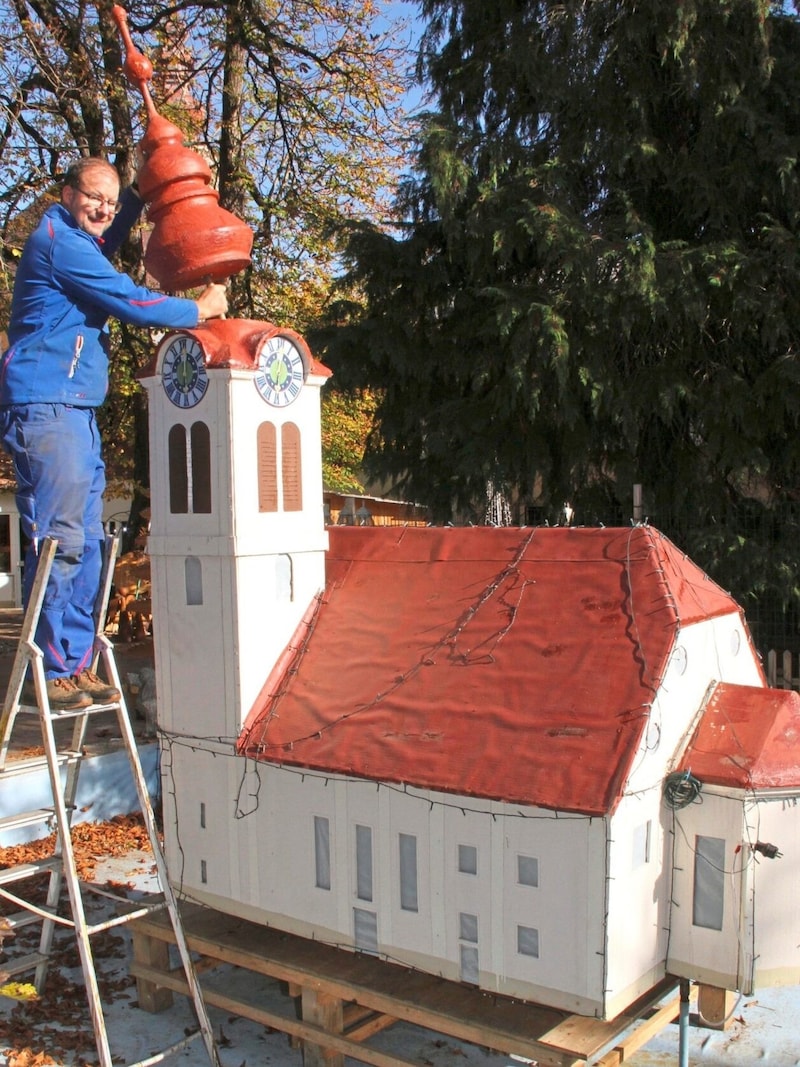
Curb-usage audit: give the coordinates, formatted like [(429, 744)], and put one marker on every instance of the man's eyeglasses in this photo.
[(101, 201)]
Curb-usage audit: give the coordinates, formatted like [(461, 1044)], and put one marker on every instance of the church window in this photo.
[(641, 844), (200, 463), (528, 941), (189, 458), (365, 929), (467, 859), (364, 862), (267, 445), (322, 851), (528, 871), (709, 882), (178, 471), (193, 577), (408, 873), (468, 947), (291, 468)]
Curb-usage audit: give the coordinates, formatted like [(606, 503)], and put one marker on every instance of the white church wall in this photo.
[(708, 941), (714, 650), (195, 591), (397, 873), (195, 686), (776, 904), (565, 906), (244, 840), (640, 846), (638, 898), (469, 871)]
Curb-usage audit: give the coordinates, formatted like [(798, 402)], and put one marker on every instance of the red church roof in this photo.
[(510, 664), (747, 738)]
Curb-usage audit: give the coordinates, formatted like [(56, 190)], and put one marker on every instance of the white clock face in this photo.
[(183, 371), (280, 373)]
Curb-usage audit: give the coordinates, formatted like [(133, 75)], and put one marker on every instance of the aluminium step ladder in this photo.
[(63, 766)]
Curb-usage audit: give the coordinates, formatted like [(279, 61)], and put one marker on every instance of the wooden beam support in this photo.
[(340, 999), (642, 1033), (327, 1013), (152, 953), (715, 1006)]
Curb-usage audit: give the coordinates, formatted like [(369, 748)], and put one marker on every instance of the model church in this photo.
[(540, 761)]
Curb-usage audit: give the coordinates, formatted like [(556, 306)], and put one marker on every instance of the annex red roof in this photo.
[(504, 663), (747, 738)]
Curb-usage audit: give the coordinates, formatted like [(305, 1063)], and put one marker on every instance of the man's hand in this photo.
[(212, 302)]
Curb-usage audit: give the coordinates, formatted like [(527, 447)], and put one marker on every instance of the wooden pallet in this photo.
[(339, 999)]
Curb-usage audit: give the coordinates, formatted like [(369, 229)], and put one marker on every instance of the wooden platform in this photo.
[(338, 999)]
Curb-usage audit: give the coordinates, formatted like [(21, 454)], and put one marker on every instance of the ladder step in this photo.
[(20, 919), (27, 870), (127, 916), (25, 818), (23, 963), (92, 709), (69, 713), (32, 764)]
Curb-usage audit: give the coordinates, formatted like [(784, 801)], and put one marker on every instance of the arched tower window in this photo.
[(200, 462), (267, 445), (291, 468), (178, 471), (189, 456)]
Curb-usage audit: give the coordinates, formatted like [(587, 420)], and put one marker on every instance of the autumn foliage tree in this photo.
[(295, 104)]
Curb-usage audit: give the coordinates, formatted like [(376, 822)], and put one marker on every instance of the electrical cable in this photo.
[(681, 789)]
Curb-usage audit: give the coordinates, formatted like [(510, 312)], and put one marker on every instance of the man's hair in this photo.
[(76, 170)]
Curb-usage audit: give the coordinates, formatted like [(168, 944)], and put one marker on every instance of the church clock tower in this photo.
[(237, 541)]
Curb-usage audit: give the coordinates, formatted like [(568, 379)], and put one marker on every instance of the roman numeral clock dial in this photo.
[(280, 371), (183, 371)]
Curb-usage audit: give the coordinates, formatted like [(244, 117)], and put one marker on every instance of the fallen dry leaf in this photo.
[(59, 1021), (90, 841)]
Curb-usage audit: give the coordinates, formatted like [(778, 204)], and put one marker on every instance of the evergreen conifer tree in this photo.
[(596, 282)]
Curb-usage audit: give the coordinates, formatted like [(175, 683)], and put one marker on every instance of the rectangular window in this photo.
[(528, 870), (528, 941), (467, 859), (408, 873), (469, 964), (365, 929), (364, 862), (468, 932), (193, 580), (641, 844), (709, 882), (468, 927), (322, 852)]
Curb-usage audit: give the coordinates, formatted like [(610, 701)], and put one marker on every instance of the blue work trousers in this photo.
[(60, 483)]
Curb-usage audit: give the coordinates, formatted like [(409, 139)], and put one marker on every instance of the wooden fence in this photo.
[(783, 670)]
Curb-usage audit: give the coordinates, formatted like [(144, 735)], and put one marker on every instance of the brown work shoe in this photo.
[(62, 693), (88, 682)]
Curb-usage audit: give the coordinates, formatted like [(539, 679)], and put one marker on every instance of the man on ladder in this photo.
[(52, 377)]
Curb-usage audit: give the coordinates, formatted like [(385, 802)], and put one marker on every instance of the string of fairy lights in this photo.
[(679, 791)]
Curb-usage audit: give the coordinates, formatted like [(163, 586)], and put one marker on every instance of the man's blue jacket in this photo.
[(64, 292)]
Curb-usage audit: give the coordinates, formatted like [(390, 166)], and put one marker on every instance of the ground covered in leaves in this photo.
[(57, 1027)]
